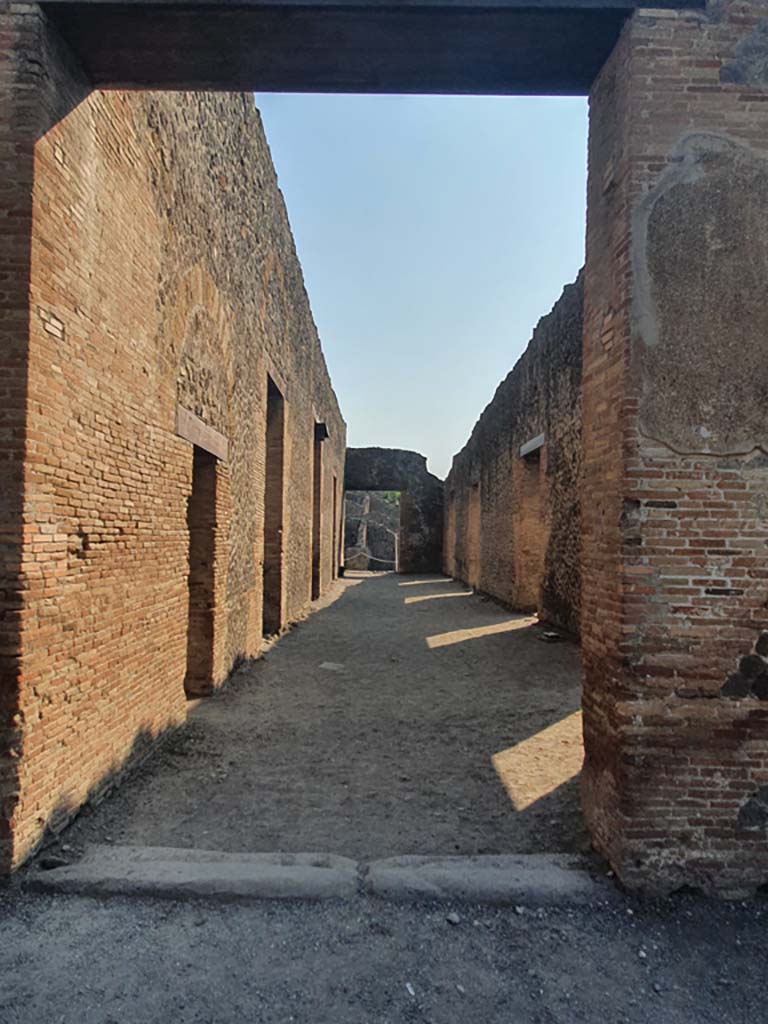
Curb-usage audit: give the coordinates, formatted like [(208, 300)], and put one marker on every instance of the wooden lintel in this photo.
[(197, 432)]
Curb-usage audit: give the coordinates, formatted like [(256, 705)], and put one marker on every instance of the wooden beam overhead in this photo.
[(501, 47)]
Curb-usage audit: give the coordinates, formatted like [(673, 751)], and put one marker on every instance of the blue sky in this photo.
[(433, 233)]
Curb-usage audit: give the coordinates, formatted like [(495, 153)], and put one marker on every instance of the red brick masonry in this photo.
[(147, 265)]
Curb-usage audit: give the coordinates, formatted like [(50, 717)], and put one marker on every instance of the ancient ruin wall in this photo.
[(371, 530), (512, 521), (674, 451), (421, 500), (163, 273)]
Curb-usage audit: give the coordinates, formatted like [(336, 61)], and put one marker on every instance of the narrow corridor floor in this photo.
[(407, 716)]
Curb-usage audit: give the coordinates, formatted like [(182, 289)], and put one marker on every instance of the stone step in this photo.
[(179, 873), (506, 878), (166, 872)]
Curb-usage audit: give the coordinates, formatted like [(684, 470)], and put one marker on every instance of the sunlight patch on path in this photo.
[(539, 765), (438, 597), (458, 636), (425, 583)]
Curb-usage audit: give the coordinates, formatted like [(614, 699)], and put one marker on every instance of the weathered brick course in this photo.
[(154, 268), (675, 436)]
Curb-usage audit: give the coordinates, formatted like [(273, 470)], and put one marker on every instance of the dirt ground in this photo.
[(407, 715), (381, 725), (71, 960)]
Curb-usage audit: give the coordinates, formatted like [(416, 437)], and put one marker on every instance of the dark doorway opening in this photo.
[(317, 508), (272, 616), (472, 542), (532, 533), (334, 528), (201, 523), (450, 534)]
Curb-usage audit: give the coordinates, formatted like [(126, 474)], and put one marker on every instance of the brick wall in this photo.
[(512, 522), (147, 262), (161, 271), (31, 99), (18, 125), (676, 451)]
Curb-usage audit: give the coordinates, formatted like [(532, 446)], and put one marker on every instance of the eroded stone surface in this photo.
[(753, 814), (700, 314)]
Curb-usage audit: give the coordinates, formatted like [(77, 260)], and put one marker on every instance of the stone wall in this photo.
[(421, 501), (162, 273), (675, 451), (512, 520)]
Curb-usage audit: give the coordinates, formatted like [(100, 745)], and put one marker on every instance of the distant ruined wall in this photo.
[(421, 500), (161, 273), (371, 529), (512, 521)]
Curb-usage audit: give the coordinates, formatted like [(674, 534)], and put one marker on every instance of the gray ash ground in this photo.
[(685, 960), (354, 736)]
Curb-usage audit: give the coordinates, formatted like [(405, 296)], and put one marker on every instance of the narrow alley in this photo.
[(406, 715), (469, 294)]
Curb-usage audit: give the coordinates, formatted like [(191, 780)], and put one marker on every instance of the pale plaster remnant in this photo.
[(699, 314)]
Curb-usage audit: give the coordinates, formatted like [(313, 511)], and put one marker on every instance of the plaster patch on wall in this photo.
[(699, 316), (753, 814), (751, 677), (749, 65), (196, 333)]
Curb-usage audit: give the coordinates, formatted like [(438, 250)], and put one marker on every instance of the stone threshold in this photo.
[(173, 873)]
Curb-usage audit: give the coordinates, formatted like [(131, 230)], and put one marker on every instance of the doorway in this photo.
[(317, 507), (532, 533), (201, 524), (335, 530), (473, 537), (272, 615)]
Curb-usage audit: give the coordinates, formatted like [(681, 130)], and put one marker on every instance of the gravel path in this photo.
[(69, 960), (407, 715), (379, 726)]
